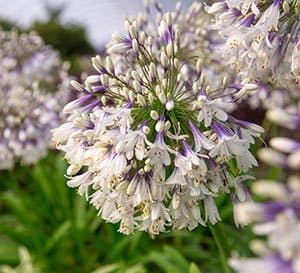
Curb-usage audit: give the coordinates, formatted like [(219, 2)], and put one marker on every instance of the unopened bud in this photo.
[(164, 60), (135, 45), (141, 100), (167, 125), (127, 25), (93, 79), (195, 87), (294, 160), (157, 90), (103, 100), (199, 65), (294, 183), (169, 19), (271, 157), (169, 49), (136, 85), (77, 85), (284, 144), (269, 189), (104, 79), (176, 63), (146, 130), (286, 6), (132, 30), (159, 126), (164, 84), (109, 64), (96, 62), (131, 95), (152, 69), (170, 105), (151, 98), (154, 115), (162, 98), (142, 37)]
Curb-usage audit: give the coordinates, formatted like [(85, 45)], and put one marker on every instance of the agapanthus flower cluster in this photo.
[(33, 87), (260, 35), (279, 220), (150, 142)]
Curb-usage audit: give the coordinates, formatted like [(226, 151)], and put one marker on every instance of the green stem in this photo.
[(221, 250)]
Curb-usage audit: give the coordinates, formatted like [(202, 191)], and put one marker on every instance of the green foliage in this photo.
[(7, 25), (40, 213), (63, 233), (25, 265), (68, 39), (194, 268)]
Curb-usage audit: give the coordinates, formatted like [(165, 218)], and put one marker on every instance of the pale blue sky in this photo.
[(100, 17)]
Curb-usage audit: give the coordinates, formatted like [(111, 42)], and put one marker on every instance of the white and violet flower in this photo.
[(279, 220), (33, 88), (259, 36), (150, 139)]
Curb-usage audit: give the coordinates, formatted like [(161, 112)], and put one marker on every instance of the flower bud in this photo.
[(154, 115), (170, 105)]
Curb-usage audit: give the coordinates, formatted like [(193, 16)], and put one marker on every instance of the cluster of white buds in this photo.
[(33, 87), (150, 141), (260, 36), (277, 219)]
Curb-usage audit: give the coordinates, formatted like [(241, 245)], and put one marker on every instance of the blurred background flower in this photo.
[(33, 86)]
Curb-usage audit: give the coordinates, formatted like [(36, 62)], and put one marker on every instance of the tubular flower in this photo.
[(259, 36), (29, 108), (279, 220), (149, 141)]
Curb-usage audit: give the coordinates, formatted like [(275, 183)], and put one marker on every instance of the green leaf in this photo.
[(107, 268), (177, 258), (136, 269), (58, 234), (194, 268)]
